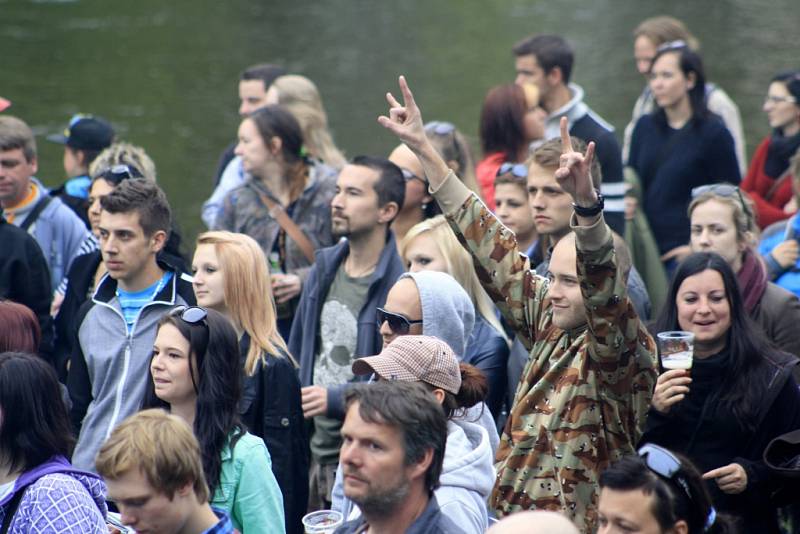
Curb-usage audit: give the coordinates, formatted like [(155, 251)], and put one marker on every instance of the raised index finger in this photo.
[(408, 98), (566, 142)]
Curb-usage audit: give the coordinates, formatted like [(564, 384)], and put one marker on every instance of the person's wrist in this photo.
[(587, 200)]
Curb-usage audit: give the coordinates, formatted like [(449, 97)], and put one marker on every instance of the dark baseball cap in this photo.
[(85, 132)]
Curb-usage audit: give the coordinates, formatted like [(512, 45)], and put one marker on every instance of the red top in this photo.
[(486, 171), (757, 185)]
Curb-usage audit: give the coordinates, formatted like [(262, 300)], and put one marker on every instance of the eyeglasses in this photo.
[(727, 191), (665, 464), (517, 169), (680, 44), (399, 324), (440, 127), (780, 99), (120, 173), (408, 176)]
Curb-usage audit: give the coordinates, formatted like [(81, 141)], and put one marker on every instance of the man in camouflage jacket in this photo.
[(585, 391)]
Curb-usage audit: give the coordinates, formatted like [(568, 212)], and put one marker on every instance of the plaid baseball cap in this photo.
[(415, 358), (85, 132)]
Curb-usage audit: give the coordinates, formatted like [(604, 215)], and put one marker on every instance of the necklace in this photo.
[(348, 268)]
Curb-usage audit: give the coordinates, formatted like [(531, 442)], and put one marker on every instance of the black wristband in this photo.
[(591, 211)]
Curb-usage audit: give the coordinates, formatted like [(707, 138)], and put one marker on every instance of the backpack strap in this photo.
[(11, 509), (34, 214)]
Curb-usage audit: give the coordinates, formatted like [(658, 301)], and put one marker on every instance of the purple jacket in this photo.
[(59, 500)]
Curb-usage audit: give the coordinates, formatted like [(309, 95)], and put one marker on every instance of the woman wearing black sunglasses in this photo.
[(657, 492), (195, 374)]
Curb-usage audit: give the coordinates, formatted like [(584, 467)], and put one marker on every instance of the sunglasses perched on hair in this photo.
[(517, 169), (665, 464), (724, 190), (120, 173), (408, 176), (440, 127), (680, 44), (399, 324), (193, 316)]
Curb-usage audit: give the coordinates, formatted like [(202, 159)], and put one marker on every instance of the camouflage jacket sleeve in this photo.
[(617, 341), (613, 326), (501, 267)]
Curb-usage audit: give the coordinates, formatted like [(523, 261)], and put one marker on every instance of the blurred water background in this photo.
[(165, 72)]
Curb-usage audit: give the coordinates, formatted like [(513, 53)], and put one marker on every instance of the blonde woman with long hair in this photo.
[(432, 246), (301, 97), (231, 276)]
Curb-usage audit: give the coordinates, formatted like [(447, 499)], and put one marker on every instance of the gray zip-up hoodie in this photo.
[(108, 370)]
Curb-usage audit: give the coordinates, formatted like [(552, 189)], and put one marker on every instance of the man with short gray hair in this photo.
[(26, 202)]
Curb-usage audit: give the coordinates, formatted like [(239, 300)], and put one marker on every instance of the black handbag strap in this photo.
[(34, 214), (11, 509)]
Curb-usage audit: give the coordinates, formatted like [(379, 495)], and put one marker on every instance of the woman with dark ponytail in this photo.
[(468, 471), (280, 180)]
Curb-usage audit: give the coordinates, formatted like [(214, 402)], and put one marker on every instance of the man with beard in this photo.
[(336, 318), (393, 447)]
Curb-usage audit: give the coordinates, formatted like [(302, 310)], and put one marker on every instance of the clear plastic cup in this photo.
[(322, 521), (676, 349)]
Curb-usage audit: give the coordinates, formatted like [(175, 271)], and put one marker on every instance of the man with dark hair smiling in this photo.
[(117, 326), (336, 318), (394, 437)]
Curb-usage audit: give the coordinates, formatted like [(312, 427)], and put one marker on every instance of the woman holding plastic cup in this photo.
[(740, 394)]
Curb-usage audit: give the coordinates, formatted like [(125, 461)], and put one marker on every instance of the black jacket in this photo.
[(272, 410), (714, 440), (25, 278)]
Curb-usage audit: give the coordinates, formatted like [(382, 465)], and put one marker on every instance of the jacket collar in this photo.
[(329, 259), (107, 288)]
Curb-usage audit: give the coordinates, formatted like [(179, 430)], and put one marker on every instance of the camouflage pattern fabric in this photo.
[(244, 212), (583, 397)]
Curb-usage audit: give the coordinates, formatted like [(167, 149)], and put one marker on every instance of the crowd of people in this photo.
[(413, 342)]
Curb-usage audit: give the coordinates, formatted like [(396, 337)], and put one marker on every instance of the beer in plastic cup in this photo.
[(676, 349), (322, 521)]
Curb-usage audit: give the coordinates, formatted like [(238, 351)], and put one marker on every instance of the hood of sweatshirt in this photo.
[(60, 465), (468, 458), (447, 310)]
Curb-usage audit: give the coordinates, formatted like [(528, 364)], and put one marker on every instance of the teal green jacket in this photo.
[(247, 488)]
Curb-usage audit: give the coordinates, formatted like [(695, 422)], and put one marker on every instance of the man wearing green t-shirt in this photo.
[(336, 319)]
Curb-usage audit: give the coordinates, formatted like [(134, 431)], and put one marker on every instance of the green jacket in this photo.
[(247, 489), (584, 394)]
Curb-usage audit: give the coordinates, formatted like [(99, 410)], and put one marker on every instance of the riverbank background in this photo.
[(165, 73)]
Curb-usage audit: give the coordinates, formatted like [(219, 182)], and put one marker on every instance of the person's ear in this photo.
[(454, 165), (34, 163), (418, 469), (275, 145), (439, 394), (185, 490), (680, 527), (387, 212), (691, 80), (158, 240), (555, 76)]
